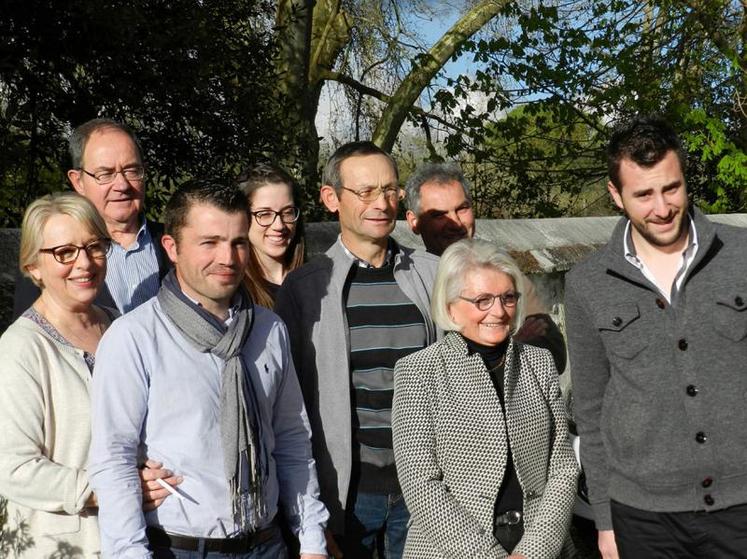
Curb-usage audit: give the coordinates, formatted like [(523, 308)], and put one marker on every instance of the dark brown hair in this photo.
[(224, 197), (645, 141), (249, 182)]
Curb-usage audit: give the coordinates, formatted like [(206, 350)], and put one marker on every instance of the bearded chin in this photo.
[(663, 240)]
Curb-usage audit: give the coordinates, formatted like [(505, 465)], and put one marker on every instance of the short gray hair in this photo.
[(331, 174), (457, 261), (80, 136), (37, 215), (440, 173)]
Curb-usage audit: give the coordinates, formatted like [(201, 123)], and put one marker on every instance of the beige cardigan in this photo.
[(44, 438)]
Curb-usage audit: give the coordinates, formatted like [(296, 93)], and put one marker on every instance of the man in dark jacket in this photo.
[(657, 335), (107, 168)]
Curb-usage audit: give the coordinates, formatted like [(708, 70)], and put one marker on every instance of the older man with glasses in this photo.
[(107, 168), (351, 315)]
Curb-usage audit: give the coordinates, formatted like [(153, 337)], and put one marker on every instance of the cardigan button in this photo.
[(691, 390), (617, 321), (738, 301), (701, 437), (660, 303), (682, 344), (707, 482), (709, 500)]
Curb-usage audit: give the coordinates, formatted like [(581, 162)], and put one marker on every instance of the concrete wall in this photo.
[(544, 248)]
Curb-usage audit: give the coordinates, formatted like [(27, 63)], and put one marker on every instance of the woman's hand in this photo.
[(153, 493)]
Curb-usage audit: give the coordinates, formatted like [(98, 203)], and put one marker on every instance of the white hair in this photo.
[(460, 259)]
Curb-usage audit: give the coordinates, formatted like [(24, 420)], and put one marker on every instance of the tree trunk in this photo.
[(311, 34), (425, 70)]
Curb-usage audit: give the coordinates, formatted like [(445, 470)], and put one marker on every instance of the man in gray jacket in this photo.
[(351, 314), (657, 334)]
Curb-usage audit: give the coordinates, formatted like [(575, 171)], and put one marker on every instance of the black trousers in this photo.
[(643, 534)]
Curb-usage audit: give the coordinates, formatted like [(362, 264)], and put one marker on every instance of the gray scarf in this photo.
[(243, 454)]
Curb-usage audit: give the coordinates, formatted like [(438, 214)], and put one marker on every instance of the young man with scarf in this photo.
[(201, 379)]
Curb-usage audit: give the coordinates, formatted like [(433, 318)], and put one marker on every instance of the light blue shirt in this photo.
[(154, 395), (132, 272)]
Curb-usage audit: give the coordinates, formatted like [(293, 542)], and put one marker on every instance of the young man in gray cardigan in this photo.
[(657, 335)]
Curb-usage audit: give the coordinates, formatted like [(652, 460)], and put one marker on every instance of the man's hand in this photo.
[(607, 544), (153, 493), (332, 548), (517, 556), (535, 326), (312, 556)]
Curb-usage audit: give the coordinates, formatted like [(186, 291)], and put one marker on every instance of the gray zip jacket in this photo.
[(660, 390), (312, 304)]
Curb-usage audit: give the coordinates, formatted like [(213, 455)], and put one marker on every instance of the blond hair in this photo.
[(37, 215)]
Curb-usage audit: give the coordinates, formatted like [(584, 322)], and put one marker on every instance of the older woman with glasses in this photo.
[(275, 231), (479, 426), (45, 378)]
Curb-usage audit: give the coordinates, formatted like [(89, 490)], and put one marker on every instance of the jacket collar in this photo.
[(344, 260), (615, 253), (455, 341)]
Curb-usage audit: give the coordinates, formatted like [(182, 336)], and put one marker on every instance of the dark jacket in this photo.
[(26, 292), (660, 390)]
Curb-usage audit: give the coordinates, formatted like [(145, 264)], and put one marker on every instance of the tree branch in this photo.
[(423, 72)]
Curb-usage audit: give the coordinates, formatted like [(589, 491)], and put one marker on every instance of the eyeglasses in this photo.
[(67, 254), (265, 218), (371, 193), (107, 177), (485, 301)]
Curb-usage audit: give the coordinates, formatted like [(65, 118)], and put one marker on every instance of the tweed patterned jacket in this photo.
[(450, 447)]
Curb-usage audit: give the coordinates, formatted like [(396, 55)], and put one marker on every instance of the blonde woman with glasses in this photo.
[(45, 377)]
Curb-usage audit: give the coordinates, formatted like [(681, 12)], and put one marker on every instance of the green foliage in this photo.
[(199, 82), (558, 77), (536, 164), (194, 79)]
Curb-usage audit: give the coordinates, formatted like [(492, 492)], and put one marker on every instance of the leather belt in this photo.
[(509, 518), (241, 544)]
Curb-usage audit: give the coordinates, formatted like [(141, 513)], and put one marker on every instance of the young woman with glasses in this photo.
[(275, 231)]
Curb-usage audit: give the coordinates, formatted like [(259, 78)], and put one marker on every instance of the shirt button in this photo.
[(682, 344), (700, 436), (617, 321), (738, 301), (707, 482), (660, 303), (708, 500), (692, 390)]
